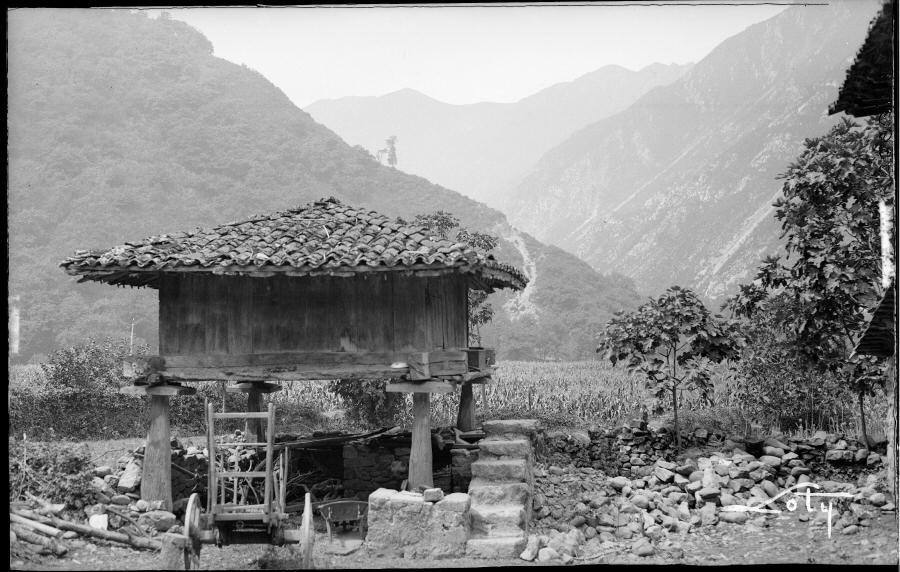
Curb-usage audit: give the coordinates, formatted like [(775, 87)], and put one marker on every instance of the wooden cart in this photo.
[(237, 522)]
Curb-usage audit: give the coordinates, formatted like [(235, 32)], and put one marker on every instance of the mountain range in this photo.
[(674, 186), (479, 149), (122, 127)]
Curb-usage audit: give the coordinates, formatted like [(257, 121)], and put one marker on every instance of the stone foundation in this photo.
[(404, 523)]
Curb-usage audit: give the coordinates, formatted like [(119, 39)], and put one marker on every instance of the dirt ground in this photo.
[(785, 539)]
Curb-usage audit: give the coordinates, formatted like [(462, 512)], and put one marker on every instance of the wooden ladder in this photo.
[(240, 512)]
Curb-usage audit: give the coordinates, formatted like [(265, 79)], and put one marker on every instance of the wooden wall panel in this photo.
[(382, 312)]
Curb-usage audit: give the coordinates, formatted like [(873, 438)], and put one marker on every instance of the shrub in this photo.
[(56, 473)]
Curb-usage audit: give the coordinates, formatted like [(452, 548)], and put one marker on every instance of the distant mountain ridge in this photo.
[(122, 127), (677, 189), (481, 148)]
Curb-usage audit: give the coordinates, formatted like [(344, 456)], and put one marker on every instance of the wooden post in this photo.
[(465, 420), (420, 461), (891, 390), (156, 480), (254, 430)]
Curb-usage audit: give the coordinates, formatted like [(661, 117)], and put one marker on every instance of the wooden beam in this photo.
[(167, 390), (156, 478), (420, 459), (426, 365), (247, 387), (419, 387), (289, 366)]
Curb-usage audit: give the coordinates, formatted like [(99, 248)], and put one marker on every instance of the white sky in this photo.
[(459, 54)]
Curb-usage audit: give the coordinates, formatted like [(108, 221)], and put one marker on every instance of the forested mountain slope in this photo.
[(122, 126)]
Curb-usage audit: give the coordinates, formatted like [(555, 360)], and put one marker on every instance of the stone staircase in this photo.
[(501, 489)]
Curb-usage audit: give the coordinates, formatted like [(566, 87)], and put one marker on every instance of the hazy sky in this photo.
[(460, 54)]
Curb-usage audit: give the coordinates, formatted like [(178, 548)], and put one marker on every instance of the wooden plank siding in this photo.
[(211, 315)]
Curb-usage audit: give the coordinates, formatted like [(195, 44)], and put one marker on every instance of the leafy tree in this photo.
[(673, 341), (830, 274), (443, 223)]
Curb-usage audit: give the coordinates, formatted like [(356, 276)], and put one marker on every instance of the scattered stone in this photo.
[(142, 506), (771, 460), (433, 495), (643, 547), (130, 479), (531, 549), (733, 517), (852, 529), (121, 500), (878, 499), (99, 521), (640, 501), (102, 471), (708, 514), (160, 520), (547, 554), (618, 483)]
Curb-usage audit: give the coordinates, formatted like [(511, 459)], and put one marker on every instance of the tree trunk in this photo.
[(862, 418), (675, 410)]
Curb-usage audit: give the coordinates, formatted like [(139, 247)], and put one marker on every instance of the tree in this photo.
[(673, 341), (443, 223), (830, 273)]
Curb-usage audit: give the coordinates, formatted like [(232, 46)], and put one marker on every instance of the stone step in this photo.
[(484, 491), (496, 547), (498, 520), (501, 470), (520, 448), (507, 426)]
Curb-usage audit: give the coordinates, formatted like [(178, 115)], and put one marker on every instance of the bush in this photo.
[(56, 473)]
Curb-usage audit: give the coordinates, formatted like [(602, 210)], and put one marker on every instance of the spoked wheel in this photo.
[(192, 532)]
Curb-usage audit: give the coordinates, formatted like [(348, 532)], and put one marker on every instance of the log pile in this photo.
[(38, 528)]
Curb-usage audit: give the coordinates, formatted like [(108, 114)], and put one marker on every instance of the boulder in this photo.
[(733, 517), (99, 521)]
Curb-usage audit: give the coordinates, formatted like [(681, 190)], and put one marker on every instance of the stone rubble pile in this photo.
[(659, 497), (119, 491)]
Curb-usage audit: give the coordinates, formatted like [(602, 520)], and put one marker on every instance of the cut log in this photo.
[(55, 546), (36, 526), (86, 530)]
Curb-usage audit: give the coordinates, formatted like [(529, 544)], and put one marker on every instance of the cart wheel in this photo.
[(192, 532), (307, 534)]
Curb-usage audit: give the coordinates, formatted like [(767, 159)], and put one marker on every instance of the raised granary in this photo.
[(322, 291)]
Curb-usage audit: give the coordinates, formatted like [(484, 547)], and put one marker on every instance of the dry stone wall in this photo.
[(633, 451)]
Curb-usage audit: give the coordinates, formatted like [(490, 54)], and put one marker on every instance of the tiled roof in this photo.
[(321, 238)]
